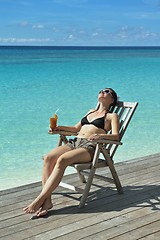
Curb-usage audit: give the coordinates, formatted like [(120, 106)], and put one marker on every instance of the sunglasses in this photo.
[(107, 91)]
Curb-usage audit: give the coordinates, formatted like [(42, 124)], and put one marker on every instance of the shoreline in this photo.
[(14, 188)]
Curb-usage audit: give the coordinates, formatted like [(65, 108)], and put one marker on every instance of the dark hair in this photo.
[(114, 95)]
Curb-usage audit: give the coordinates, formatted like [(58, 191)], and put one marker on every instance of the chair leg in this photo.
[(113, 171), (90, 177), (116, 180), (62, 139), (87, 188), (81, 176)]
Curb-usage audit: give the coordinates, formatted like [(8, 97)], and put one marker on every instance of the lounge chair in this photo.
[(105, 148)]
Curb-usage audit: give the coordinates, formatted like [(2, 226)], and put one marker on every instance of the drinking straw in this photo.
[(57, 110)]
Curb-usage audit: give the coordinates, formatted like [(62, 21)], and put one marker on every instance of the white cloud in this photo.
[(24, 24), (124, 35), (134, 34), (24, 40), (70, 36), (38, 26), (95, 34), (55, 29)]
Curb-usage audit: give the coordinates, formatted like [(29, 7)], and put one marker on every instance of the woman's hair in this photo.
[(114, 95)]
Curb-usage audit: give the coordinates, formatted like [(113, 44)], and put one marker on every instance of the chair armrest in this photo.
[(105, 141), (65, 133)]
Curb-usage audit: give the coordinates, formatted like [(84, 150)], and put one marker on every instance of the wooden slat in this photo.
[(152, 236), (133, 215)]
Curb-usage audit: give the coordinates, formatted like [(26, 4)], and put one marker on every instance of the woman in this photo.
[(93, 126)]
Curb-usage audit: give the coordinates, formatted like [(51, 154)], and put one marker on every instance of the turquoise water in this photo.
[(35, 81)]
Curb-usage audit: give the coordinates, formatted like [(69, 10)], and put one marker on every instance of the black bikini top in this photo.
[(99, 122)]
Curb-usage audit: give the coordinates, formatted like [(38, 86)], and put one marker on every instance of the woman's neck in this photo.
[(103, 108)]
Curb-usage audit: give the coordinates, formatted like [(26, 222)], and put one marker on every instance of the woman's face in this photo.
[(107, 94)]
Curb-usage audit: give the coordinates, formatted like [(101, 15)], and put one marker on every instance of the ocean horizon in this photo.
[(38, 80)]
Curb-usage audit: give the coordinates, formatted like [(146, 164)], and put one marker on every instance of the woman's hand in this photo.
[(57, 128), (94, 137), (51, 130)]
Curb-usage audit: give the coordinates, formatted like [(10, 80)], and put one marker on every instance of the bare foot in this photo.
[(47, 205), (33, 207)]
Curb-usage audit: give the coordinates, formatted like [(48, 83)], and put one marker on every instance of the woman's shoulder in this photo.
[(112, 115), (91, 110)]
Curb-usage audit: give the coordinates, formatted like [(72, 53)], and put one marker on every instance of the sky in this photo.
[(80, 22)]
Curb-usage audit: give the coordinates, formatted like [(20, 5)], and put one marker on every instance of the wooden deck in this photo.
[(108, 215)]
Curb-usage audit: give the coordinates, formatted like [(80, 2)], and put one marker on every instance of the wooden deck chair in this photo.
[(105, 148)]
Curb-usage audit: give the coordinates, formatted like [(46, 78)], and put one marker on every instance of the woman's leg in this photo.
[(66, 159), (49, 163)]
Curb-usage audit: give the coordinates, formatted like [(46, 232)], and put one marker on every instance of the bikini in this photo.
[(99, 122), (85, 143)]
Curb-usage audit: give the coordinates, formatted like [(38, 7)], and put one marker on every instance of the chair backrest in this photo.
[(125, 111)]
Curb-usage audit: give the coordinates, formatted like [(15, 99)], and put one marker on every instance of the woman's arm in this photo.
[(74, 129), (114, 127)]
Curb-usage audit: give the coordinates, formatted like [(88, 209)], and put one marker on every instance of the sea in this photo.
[(35, 82)]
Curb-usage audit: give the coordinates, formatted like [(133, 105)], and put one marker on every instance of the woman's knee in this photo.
[(61, 162), (48, 159)]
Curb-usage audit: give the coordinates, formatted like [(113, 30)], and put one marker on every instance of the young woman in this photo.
[(92, 127)]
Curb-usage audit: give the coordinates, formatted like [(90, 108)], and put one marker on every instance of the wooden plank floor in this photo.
[(108, 215)]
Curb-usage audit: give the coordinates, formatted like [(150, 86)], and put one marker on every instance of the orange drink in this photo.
[(53, 122)]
